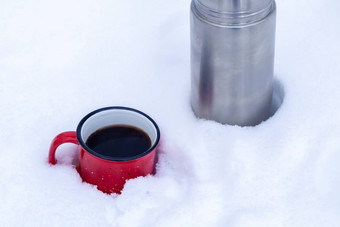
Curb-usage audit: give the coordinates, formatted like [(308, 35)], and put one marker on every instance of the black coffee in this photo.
[(119, 141)]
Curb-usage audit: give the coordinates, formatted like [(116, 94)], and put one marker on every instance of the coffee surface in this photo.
[(119, 141)]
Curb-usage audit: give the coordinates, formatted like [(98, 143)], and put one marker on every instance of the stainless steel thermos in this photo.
[(232, 60)]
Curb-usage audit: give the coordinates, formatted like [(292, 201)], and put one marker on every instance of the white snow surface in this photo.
[(59, 60)]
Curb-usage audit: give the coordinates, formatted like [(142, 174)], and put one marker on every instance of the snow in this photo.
[(59, 60)]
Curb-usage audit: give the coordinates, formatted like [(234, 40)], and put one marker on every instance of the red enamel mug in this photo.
[(110, 172)]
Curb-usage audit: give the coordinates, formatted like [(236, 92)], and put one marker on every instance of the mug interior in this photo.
[(117, 116)]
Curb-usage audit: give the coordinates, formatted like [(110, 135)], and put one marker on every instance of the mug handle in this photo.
[(64, 137)]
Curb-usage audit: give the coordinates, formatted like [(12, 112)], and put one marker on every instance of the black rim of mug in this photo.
[(82, 143)]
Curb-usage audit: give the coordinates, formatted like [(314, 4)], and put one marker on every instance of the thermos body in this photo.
[(232, 60)]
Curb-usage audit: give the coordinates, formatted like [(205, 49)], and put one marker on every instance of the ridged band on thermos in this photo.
[(230, 18)]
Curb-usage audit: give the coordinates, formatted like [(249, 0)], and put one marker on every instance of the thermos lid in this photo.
[(234, 11)]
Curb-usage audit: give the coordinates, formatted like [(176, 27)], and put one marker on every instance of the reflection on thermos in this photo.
[(232, 60)]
